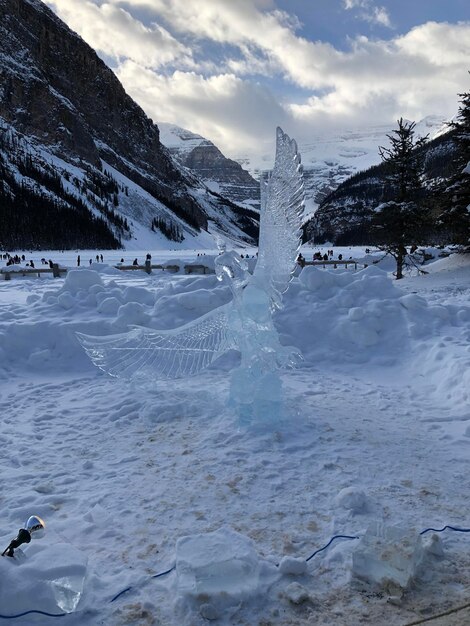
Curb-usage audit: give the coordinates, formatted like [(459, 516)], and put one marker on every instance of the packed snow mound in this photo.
[(334, 317), (353, 500), (81, 279), (357, 317), (349, 317)]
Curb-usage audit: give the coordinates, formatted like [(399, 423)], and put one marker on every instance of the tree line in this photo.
[(38, 212), (171, 230)]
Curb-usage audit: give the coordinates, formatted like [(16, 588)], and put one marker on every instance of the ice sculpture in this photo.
[(388, 556), (246, 323)]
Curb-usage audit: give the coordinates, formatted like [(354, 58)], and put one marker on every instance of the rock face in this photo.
[(57, 93), (219, 173)]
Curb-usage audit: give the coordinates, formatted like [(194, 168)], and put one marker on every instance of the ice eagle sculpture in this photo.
[(244, 324)]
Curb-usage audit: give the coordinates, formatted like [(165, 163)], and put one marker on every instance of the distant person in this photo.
[(301, 260), (50, 263), (325, 257), (148, 257), (90, 261), (78, 261), (340, 257), (135, 262), (97, 259), (122, 260), (101, 257), (31, 263)]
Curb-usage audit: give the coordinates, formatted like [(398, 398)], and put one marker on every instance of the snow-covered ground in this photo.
[(376, 428)]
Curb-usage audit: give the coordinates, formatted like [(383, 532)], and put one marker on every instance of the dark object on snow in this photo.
[(24, 536), (33, 524)]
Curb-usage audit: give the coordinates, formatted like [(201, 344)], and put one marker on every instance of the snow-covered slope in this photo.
[(329, 159), (346, 214), (112, 208)]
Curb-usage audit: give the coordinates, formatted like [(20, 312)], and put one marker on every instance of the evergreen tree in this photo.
[(402, 220), (455, 218)]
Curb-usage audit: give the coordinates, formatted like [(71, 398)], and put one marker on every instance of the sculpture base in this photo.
[(256, 396)]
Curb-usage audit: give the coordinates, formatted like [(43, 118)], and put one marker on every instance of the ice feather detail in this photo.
[(161, 354), (282, 207)]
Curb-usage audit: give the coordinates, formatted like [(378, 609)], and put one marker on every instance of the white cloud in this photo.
[(369, 12), (232, 112), (375, 81), (380, 16), (353, 4), (118, 34)]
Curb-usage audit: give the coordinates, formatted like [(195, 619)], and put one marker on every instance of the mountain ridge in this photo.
[(201, 156), (64, 101)]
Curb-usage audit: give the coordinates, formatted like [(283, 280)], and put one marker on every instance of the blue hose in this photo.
[(329, 543), (129, 588), (439, 530), (33, 611)]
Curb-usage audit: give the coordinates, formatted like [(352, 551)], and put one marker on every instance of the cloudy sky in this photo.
[(232, 70)]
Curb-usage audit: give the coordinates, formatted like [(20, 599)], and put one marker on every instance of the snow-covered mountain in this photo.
[(345, 216), (204, 159), (80, 160), (329, 159)]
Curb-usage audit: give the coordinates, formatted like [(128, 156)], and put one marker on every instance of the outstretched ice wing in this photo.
[(282, 207), (159, 354)]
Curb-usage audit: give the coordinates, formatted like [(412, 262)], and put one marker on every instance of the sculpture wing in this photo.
[(282, 208), (144, 353)]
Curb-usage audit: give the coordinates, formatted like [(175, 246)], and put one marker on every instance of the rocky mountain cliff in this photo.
[(202, 157), (61, 104)]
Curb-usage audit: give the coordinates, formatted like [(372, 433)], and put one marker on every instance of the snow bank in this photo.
[(354, 450), (346, 317), (332, 316), (342, 317), (90, 302)]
